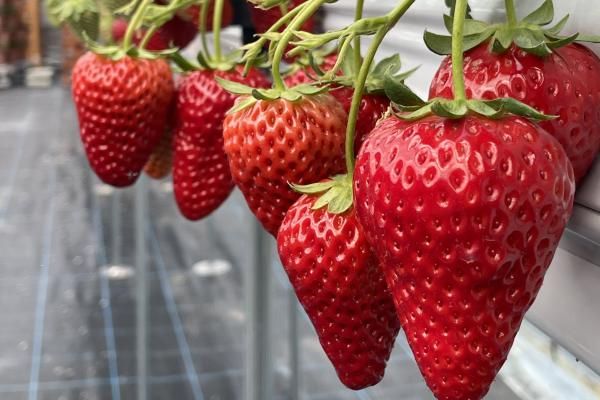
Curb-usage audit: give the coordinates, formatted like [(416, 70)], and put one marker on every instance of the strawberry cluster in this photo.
[(439, 217)]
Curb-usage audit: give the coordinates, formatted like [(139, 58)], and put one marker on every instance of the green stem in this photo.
[(135, 23), (106, 23), (511, 13), (217, 19), (358, 14), (393, 18), (311, 7), (202, 24), (458, 79)]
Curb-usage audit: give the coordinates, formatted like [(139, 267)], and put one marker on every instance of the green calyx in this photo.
[(294, 94), (411, 107), (389, 68), (335, 193), (228, 62), (530, 34), (117, 52)]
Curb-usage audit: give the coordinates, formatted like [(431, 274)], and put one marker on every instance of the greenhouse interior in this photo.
[(300, 199)]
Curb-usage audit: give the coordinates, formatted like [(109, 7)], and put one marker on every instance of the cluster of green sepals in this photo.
[(530, 34)]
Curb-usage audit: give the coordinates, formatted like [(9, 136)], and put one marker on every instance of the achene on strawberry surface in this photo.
[(565, 83), (337, 279), (465, 216), (122, 108)]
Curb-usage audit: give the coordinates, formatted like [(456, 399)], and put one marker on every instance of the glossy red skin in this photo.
[(201, 177), (465, 217), (122, 108), (274, 143), (566, 84), (339, 283)]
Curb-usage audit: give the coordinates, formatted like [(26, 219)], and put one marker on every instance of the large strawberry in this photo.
[(565, 83), (201, 177), (465, 216), (122, 107), (536, 65), (272, 143), (338, 281)]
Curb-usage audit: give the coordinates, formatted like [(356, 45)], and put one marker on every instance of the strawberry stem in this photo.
[(295, 25), (217, 20), (511, 13), (202, 25), (458, 80), (358, 14), (135, 23), (392, 19)]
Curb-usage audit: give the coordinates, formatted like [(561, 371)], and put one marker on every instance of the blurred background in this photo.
[(110, 294)]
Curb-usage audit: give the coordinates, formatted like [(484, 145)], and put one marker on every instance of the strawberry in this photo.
[(306, 74), (276, 142), (201, 177), (338, 281), (465, 216), (565, 83), (264, 19), (122, 107)]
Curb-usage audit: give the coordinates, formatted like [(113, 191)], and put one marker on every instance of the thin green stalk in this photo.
[(458, 80), (511, 12), (202, 24), (135, 23), (306, 13), (393, 18), (217, 20), (358, 14)]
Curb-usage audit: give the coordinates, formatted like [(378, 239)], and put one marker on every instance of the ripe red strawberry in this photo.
[(338, 281), (273, 143), (122, 107), (465, 216), (566, 84), (201, 177)]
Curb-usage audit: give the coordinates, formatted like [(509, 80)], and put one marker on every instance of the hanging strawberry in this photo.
[(201, 177), (121, 120), (538, 66), (464, 206)]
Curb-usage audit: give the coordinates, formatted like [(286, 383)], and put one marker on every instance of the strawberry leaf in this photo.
[(442, 44), (542, 15), (335, 193), (532, 41), (555, 30), (452, 109), (400, 94), (234, 87), (515, 107), (241, 104)]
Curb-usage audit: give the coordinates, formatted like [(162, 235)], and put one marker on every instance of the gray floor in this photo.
[(68, 326)]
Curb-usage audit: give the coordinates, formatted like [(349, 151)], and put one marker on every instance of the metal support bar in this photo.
[(258, 287), (141, 287), (294, 347)]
